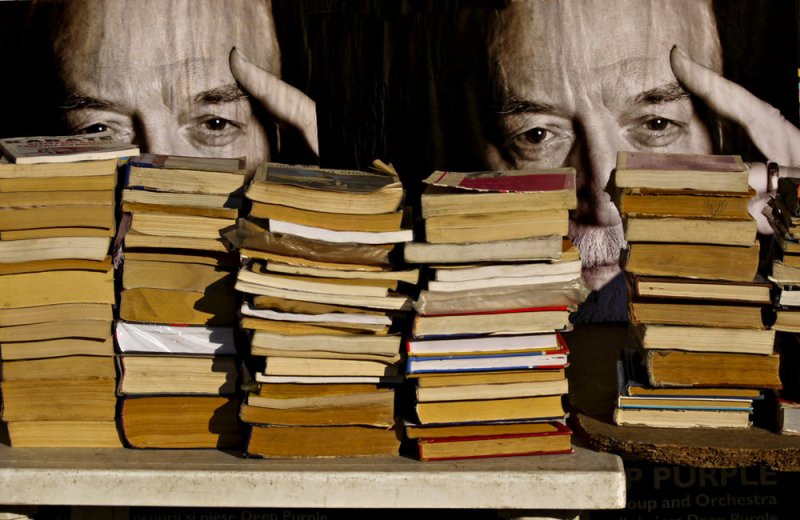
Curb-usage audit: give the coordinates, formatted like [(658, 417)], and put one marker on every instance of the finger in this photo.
[(757, 177), (774, 136), (286, 103)]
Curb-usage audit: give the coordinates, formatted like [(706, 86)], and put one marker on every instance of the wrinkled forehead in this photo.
[(567, 34), (153, 32)]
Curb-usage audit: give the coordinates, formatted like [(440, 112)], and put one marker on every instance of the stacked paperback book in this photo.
[(176, 334), (57, 220), (695, 298), (485, 353), (324, 306)]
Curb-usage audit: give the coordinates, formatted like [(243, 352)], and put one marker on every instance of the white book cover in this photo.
[(169, 339), (342, 237)]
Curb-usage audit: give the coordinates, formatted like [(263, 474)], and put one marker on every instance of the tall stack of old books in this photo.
[(486, 354), (57, 220), (325, 307), (696, 301), (176, 335), (783, 268)]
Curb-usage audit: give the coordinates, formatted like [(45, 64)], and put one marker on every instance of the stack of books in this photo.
[(696, 300), (325, 308), (485, 350), (177, 355), (57, 221)]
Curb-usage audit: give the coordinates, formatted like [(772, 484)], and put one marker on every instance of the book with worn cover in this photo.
[(724, 232), (669, 368), (709, 290), (323, 441), (146, 374), (505, 321), (557, 358), (178, 174), (61, 149), (546, 407), (473, 441), (706, 339), (702, 261), (682, 204), (680, 171)]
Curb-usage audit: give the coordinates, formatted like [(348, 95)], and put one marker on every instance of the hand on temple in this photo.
[(293, 110), (772, 134)]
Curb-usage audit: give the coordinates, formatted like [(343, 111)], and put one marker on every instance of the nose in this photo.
[(594, 157), (158, 133)]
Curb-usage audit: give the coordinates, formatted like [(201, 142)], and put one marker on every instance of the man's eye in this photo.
[(536, 135), (93, 129), (658, 124), (655, 132), (216, 124)]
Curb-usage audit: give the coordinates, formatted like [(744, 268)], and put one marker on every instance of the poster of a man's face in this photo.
[(543, 83)]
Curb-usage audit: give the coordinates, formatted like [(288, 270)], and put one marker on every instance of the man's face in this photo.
[(156, 73), (577, 81)]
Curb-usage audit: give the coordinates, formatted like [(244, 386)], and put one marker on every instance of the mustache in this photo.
[(598, 245)]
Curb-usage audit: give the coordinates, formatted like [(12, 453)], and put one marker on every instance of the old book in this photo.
[(336, 221), (77, 367), (525, 249), (491, 227), (99, 183), (292, 328), (684, 403), (254, 254), (707, 369), (753, 292), (136, 240), (303, 366), (145, 338), (58, 312), (181, 422), (287, 305), (527, 439), (487, 283), (77, 232), (324, 441), (405, 275), (690, 230), (184, 257), (297, 390), (489, 299), (164, 199), (461, 273), (65, 149), (12, 170), (186, 226), (387, 346), (34, 199), (71, 328), (171, 173), (682, 418), (446, 379), (39, 249), (177, 276), (326, 190), (505, 344), (466, 411), (672, 312), (148, 305), (710, 262), (367, 409), (787, 320), (783, 274), (90, 399), (56, 287), (492, 391), (89, 216), (452, 193), (177, 374), (347, 287), (677, 204), (706, 339), (182, 211), (58, 264), (342, 237), (508, 321), (674, 171), (362, 321), (332, 380), (56, 348), (487, 363), (64, 434)]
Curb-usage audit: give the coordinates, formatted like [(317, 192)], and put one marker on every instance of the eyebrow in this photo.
[(514, 105), (80, 102), (218, 95), (663, 94)]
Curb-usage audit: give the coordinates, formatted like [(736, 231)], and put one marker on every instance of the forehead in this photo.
[(568, 35), (120, 34)]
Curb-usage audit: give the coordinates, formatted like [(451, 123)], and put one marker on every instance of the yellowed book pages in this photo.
[(310, 441), (177, 276), (165, 306), (137, 208), (54, 287), (709, 262), (64, 434), (690, 231), (92, 329), (59, 264), (54, 348), (89, 183), (187, 226), (76, 367), (335, 221), (48, 171), (58, 217), (32, 199), (291, 260), (162, 374), (139, 240), (480, 378), (489, 227), (74, 232), (671, 204), (59, 312), (186, 180), (90, 399), (491, 410)]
